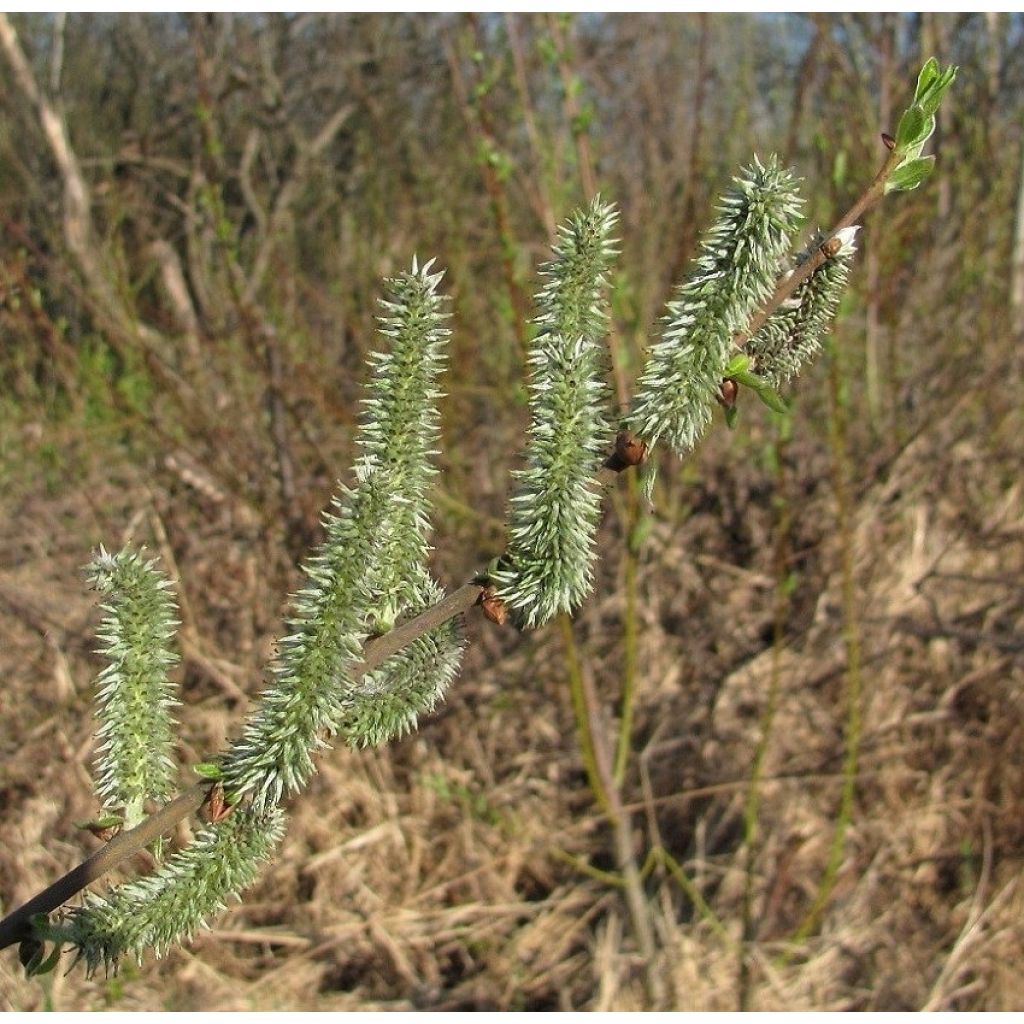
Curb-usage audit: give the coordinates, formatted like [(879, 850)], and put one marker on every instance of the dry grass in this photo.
[(438, 873)]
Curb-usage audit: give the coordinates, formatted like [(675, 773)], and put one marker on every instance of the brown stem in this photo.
[(573, 112), (805, 78), (92, 258), (16, 926), (542, 197), (871, 195), (688, 206), (588, 182), (598, 763)]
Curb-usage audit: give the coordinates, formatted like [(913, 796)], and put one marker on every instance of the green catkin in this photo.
[(555, 509), (369, 570), (734, 275), (792, 335), (410, 683), (135, 736), (168, 907)]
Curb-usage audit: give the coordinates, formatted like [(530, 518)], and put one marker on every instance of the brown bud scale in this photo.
[(493, 607), (629, 451), (728, 391), (216, 808), (831, 247)]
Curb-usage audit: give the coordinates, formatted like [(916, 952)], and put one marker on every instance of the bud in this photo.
[(727, 392), (215, 807), (493, 607), (629, 451)]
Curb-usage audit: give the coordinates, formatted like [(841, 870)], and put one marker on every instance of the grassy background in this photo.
[(820, 621)]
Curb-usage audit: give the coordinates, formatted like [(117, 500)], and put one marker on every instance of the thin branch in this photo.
[(541, 194), (869, 198), (309, 152), (17, 925), (478, 123), (79, 229), (57, 59)]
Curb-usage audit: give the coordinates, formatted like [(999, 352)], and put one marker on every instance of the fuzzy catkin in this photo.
[(135, 734), (168, 907), (555, 508), (792, 334), (735, 274), (410, 683), (369, 570)]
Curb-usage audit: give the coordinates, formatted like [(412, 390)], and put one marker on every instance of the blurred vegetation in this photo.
[(181, 357)]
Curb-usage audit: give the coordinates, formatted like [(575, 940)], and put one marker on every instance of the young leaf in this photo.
[(908, 176), (748, 379), (39, 966), (772, 399), (929, 97), (738, 363), (928, 74), (912, 127)]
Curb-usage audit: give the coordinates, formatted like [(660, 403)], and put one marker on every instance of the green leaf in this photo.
[(839, 169), (47, 965), (105, 821), (928, 74), (736, 365), (933, 96), (582, 121), (208, 770), (772, 399), (909, 175), (911, 127), (751, 380), (547, 49), (732, 413), (502, 164)]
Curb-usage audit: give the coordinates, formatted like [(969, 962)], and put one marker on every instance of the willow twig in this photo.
[(17, 925)]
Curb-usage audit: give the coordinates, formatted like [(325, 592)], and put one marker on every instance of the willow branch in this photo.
[(17, 925), (869, 198)]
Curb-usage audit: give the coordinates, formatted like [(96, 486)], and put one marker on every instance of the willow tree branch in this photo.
[(17, 925), (869, 198)]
